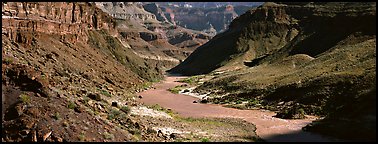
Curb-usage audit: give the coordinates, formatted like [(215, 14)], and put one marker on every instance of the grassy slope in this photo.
[(327, 69)]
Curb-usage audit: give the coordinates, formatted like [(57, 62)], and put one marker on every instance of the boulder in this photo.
[(94, 96)]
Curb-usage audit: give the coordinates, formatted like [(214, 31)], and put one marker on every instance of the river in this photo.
[(269, 128)]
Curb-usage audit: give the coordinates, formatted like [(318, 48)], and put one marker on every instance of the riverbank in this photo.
[(268, 127)]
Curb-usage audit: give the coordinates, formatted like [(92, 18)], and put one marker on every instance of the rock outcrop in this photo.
[(152, 36), (126, 10), (272, 27), (155, 9), (69, 20)]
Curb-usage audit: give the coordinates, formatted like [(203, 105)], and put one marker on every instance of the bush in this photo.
[(106, 93), (56, 116), (108, 136), (176, 89), (190, 80), (24, 98), (71, 105), (81, 136), (291, 113), (113, 114), (205, 140), (125, 109), (85, 101), (8, 60)]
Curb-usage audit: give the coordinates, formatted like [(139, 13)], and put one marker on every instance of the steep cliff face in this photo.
[(155, 9), (70, 20), (61, 61), (126, 10), (200, 18), (254, 34), (263, 31), (152, 38), (211, 20)]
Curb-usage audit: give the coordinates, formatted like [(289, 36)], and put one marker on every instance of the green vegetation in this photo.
[(112, 46), (292, 113), (86, 100), (205, 140), (24, 98), (81, 136), (147, 85), (253, 103), (176, 89), (159, 108), (125, 109), (8, 60), (71, 105), (106, 93), (108, 136), (207, 121), (113, 114), (191, 80), (56, 116)]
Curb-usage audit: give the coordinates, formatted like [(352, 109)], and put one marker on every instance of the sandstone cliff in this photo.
[(152, 38)]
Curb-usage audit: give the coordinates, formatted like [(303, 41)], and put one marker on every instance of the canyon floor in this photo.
[(268, 127)]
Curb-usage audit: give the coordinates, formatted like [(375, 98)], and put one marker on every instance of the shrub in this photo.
[(113, 114), (175, 90), (205, 140), (24, 98), (125, 109), (56, 116), (106, 93), (108, 136), (8, 60), (71, 105), (190, 80), (85, 100), (81, 136)]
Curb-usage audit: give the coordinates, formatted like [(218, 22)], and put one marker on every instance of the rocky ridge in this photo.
[(154, 37)]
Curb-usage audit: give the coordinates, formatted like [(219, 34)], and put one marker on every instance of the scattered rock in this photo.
[(204, 101), (184, 85), (65, 124), (95, 96), (195, 102), (78, 109), (34, 136), (59, 139), (175, 135), (140, 96), (83, 91), (186, 90), (25, 132), (160, 134), (46, 135), (115, 104)]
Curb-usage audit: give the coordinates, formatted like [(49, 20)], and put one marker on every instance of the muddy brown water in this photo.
[(268, 127)]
